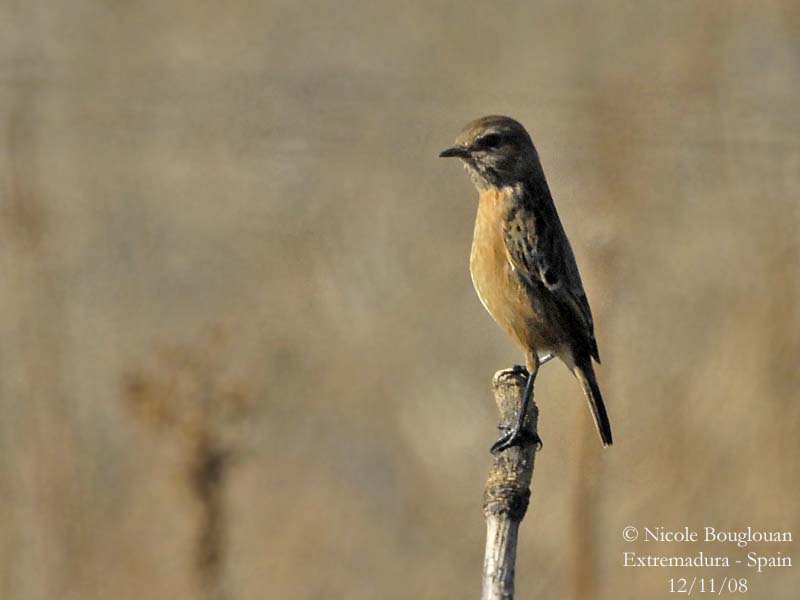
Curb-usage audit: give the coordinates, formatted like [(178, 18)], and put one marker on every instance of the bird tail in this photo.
[(585, 374)]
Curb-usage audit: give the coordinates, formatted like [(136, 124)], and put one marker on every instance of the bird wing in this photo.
[(539, 251)]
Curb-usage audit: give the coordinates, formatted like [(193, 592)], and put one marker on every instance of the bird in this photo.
[(522, 265)]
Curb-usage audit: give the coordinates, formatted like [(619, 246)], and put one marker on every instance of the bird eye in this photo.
[(489, 141)]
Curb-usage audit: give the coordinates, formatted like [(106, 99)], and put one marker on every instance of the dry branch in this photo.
[(507, 492)]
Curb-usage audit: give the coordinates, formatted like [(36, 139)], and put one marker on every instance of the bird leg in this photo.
[(515, 434)]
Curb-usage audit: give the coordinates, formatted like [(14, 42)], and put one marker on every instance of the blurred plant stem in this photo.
[(187, 395)]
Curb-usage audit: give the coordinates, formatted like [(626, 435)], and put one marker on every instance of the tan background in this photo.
[(242, 200)]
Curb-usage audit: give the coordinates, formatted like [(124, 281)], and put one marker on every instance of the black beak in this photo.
[(455, 151)]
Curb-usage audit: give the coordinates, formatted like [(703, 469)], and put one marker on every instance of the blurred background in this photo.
[(240, 353)]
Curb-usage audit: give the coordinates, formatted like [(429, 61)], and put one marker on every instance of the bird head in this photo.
[(496, 151)]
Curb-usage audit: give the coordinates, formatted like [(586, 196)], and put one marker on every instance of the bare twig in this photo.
[(507, 492)]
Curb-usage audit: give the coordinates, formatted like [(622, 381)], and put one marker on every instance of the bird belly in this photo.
[(508, 299)]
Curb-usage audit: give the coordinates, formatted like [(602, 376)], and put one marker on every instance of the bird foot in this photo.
[(514, 436), (514, 371)]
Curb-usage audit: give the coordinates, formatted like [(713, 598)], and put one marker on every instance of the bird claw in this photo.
[(514, 371), (514, 436)]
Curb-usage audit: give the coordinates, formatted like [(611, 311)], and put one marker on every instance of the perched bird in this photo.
[(522, 265)]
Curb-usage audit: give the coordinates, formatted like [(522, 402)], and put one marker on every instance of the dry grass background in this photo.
[(205, 202)]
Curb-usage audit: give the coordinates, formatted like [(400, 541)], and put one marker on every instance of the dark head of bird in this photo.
[(497, 152)]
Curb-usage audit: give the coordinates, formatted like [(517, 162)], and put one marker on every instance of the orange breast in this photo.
[(500, 289)]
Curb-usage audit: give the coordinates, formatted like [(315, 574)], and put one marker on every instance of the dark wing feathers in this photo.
[(539, 251)]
